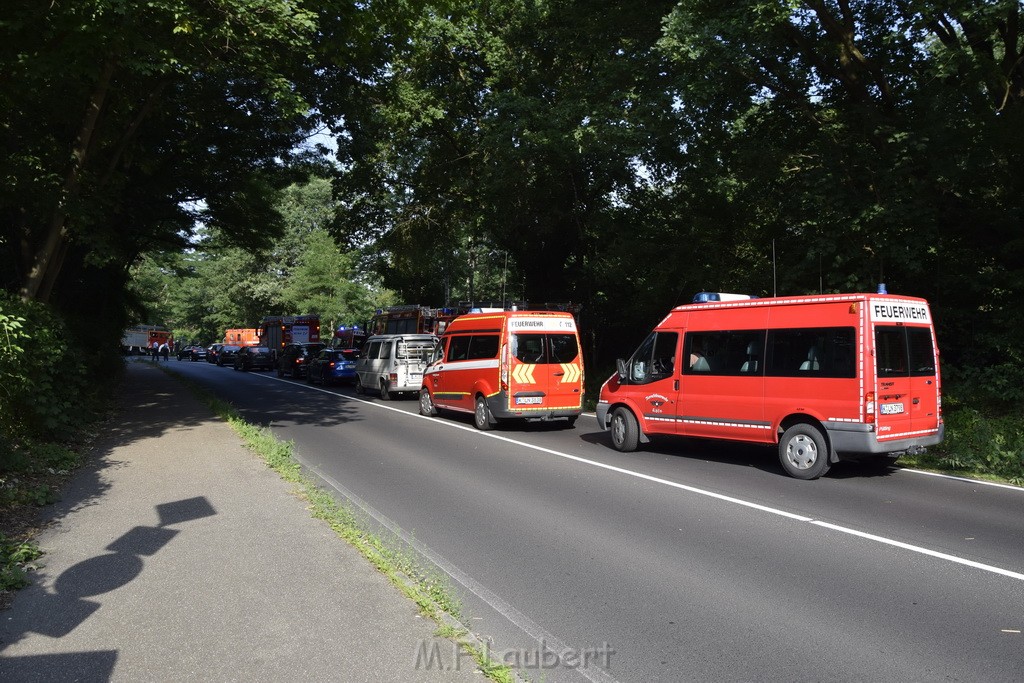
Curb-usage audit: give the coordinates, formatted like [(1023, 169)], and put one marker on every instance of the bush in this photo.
[(982, 438), (43, 377)]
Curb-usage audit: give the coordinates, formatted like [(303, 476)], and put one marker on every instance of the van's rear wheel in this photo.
[(803, 452), (625, 430), (360, 389), (426, 403), (385, 393), (482, 418)]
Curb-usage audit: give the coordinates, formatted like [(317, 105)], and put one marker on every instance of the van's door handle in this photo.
[(675, 385), (916, 401)]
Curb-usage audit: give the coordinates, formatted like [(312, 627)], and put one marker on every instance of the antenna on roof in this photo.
[(775, 284)]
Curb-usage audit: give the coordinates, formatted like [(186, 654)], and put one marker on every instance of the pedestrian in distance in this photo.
[(165, 351), (154, 347)]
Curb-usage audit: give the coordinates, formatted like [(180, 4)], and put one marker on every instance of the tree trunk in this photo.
[(46, 258)]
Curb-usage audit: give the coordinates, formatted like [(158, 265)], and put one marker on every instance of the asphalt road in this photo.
[(684, 561)]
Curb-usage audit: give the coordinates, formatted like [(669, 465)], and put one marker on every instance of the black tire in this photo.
[(385, 392), (280, 371), (427, 407), (803, 452), (625, 430), (360, 389), (482, 417), (309, 377)]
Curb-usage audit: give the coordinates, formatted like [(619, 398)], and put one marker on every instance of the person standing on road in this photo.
[(154, 347), (165, 351)]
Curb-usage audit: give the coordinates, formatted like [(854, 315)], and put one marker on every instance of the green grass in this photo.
[(429, 589)]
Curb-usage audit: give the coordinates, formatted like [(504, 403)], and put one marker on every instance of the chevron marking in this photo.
[(523, 374), (571, 372)]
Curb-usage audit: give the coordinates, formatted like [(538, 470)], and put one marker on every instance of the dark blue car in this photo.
[(333, 366)]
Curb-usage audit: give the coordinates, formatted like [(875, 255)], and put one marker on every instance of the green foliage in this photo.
[(16, 559), (981, 442), (44, 381)]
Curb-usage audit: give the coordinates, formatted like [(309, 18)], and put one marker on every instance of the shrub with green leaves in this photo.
[(44, 378)]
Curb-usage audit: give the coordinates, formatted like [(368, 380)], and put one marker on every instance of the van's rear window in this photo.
[(539, 348)]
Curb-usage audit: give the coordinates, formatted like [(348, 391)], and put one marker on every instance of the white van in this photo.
[(393, 363)]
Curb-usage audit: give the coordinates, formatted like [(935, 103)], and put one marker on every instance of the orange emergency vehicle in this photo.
[(242, 337), (824, 377), (507, 364)]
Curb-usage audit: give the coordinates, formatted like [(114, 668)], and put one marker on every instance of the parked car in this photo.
[(197, 353), (393, 363), (294, 357), (254, 358), (226, 355), (332, 366), (213, 352), (184, 352)]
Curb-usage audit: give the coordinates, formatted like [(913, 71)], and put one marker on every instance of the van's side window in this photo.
[(385, 349), (373, 350), (483, 346), (812, 352), (654, 360), (458, 348), (734, 352)]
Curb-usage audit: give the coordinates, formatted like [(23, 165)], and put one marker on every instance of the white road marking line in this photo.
[(703, 492), (996, 484)]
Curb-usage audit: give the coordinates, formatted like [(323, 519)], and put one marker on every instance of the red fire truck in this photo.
[(277, 330), (411, 319), (822, 377)]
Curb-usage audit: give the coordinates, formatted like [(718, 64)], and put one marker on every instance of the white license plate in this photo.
[(528, 400), (891, 408)]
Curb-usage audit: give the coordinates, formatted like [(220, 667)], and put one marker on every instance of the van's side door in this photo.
[(653, 374)]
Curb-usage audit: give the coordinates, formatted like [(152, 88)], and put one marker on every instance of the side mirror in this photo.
[(621, 369)]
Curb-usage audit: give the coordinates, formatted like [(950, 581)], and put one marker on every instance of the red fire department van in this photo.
[(824, 377), (507, 364)]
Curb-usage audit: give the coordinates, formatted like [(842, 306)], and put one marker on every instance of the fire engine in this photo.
[(139, 339), (277, 330), (411, 319), (823, 378), (348, 337)]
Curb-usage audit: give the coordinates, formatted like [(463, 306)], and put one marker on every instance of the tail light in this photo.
[(869, 408), (503, 375), (393, 377)]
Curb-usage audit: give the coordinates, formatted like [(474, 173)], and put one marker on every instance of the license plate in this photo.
[(891, 408), (528, 400)]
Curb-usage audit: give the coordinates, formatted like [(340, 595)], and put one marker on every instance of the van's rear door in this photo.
[(545, 366), (908, 383), (894, 388)]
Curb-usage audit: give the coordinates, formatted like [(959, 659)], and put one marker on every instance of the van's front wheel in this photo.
[(427, 408), (802, 452), (625, 430)]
